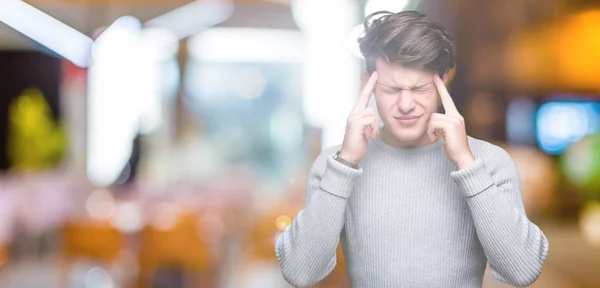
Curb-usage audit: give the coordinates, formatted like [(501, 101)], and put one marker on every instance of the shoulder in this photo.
[(495, 157), (487, 150)]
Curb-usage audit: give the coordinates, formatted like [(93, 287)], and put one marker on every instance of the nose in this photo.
[(406, 102)]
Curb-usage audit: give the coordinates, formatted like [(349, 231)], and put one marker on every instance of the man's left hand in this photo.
[(450, 126)]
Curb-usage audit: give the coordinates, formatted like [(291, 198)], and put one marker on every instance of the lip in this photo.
[(408, 120)]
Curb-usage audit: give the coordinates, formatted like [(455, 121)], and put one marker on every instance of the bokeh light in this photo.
[(385, 5), (165, 216), (589, 224), (561, 123), (100, 204), (97, 277), (539, 177), (282, 222), (128, 217), (357, 32), (581, 164)]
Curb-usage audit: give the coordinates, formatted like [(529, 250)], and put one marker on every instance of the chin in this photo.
[(408, 135)]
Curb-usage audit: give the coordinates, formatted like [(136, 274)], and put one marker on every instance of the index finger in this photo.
[(365, 95), (447, 101)]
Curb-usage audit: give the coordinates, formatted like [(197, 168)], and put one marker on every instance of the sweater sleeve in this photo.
[(515, 247), (306, 250)]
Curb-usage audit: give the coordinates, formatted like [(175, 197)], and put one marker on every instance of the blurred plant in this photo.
[(36, 141), (581, 165)]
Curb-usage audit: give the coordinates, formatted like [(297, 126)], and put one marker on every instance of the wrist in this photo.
[(464, 161), (347, 157), (346, 161)]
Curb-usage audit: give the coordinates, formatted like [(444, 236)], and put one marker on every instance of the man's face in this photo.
[(406, 98)]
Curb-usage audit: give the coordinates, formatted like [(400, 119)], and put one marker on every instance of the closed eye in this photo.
[(387, 90), (421, 90)]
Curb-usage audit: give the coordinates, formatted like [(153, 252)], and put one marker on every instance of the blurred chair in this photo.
[(258, 265), (3, 254), (265, 232), (179, 247), (97, 241), (262, 239)]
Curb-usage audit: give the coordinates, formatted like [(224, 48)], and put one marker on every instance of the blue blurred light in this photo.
[(562, 123)]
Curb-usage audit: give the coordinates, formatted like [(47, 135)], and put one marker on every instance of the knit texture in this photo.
[(408, 218)]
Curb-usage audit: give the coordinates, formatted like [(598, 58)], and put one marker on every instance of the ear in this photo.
[(448, 76)]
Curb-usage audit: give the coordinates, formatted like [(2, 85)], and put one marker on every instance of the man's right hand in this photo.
[(361, 125)]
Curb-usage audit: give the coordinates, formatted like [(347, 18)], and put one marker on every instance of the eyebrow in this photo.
[(421, 86), (413, 87)]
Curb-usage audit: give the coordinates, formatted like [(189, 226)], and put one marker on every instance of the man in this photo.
[(416, 202)]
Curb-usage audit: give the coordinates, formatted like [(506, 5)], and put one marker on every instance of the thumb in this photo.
[(431, 132)]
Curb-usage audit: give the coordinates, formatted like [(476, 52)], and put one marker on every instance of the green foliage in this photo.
[(36, 141)]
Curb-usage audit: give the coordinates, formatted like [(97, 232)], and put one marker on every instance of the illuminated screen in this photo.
[(562, 123)]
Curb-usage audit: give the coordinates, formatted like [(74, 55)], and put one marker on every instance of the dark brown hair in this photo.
[(408, 38)]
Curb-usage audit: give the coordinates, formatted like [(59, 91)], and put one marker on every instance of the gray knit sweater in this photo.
[(408, 218)]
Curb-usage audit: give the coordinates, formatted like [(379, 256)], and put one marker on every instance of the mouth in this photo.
[(407, 120)]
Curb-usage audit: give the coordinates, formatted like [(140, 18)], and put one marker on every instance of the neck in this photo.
[(388, 138)]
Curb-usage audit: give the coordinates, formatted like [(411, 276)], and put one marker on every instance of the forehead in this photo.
[(401, 76)]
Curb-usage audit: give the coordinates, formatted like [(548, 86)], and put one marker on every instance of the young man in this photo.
[(416, 202)]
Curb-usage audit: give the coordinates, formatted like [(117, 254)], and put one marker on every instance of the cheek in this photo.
[(429, 102)]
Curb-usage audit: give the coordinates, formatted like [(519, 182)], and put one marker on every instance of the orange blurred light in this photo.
[(577, 47), (564, 55), (282, 222)]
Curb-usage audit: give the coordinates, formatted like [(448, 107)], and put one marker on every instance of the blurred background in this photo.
[(154, 143)]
